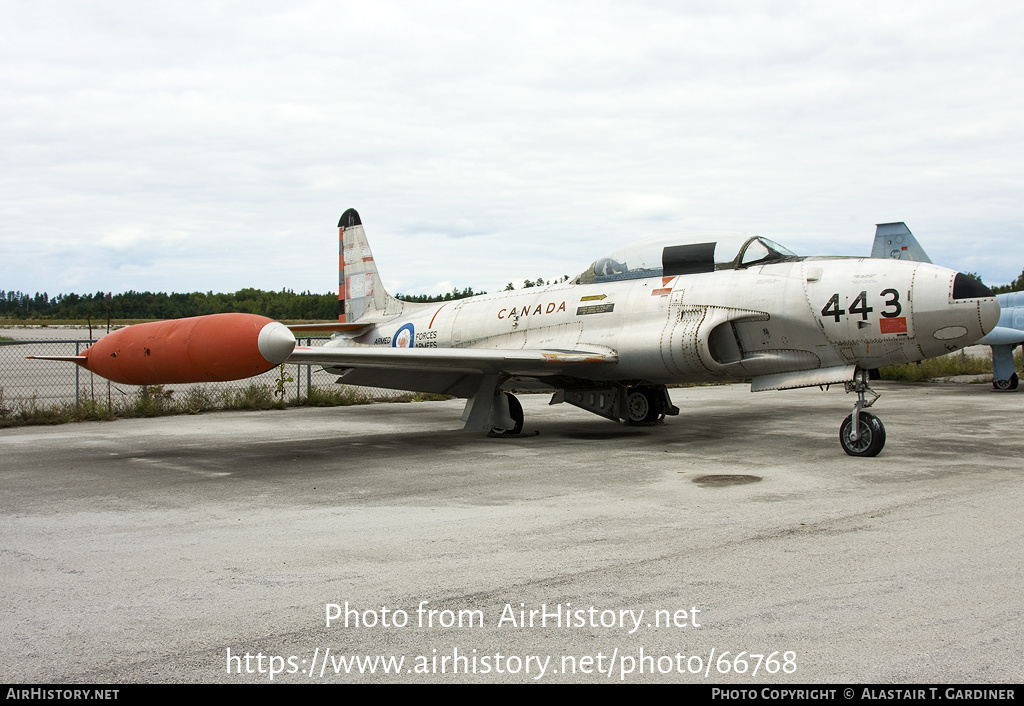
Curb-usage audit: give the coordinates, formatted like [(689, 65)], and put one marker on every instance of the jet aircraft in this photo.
[(894, 240), (709, 307)]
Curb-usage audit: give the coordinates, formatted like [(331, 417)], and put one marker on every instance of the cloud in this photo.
[(217, 145)]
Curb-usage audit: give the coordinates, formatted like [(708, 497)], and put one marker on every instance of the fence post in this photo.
[(77, 372)]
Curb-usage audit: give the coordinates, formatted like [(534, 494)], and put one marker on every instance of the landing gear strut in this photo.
[(862, 433), (515, 411)]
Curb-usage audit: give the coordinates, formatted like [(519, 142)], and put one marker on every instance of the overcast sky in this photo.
[(181, 146)]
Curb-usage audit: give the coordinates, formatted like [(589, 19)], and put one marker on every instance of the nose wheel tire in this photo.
[(1005, 385), (871, 435)]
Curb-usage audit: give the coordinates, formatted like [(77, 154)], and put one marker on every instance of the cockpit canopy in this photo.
[(667, 256)]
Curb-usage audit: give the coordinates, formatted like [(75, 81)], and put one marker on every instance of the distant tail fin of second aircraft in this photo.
[(895, 241), (361, 295)]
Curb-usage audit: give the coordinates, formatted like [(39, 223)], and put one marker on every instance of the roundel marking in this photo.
[(403, 337)]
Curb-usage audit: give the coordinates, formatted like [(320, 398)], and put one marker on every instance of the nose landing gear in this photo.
[(1005, 385), (862, 433)]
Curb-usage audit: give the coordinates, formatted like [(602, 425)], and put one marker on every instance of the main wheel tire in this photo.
[(641, 407), (515, 410), (1006, 385), (872, 435)]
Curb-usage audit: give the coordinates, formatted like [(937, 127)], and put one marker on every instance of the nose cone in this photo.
[(951, 310), (275, 343)]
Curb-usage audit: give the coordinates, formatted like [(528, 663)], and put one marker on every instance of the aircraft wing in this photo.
[(529, 363), (462, 372), (1002, 336)]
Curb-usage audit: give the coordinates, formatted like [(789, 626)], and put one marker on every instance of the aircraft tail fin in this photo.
[(361, 295), (895, 241)]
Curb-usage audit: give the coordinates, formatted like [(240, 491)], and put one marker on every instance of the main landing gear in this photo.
[(644, 405), (636, 405), (493, 410), (515, 411), (862, 433)]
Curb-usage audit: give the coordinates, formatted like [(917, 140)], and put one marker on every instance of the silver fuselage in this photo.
[(782, 317)]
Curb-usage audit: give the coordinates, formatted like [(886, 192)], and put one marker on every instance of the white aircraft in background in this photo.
[(709, 307), (894, 240)]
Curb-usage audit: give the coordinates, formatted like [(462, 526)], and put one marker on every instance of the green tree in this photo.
[(1016, 285)]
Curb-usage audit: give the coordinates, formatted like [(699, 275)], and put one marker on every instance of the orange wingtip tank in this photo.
[(210, 348)]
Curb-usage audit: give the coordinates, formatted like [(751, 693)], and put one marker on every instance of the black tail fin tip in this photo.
[(349, 218)]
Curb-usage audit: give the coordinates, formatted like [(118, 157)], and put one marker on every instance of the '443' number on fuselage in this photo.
[(860, 305)]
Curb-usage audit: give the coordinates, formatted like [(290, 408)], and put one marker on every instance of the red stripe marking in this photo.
[(435, 314)]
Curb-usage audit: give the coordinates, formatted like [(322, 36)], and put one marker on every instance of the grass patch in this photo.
[(157, 401), (151, 401), (936, 368), (419, 397), (430, 397), (197, 400), (338, 396), (30, 411), (252, 396)]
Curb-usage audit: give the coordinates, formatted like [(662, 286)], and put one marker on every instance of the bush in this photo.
[(252, 396), (337, 396), (932, 368), (150, 401)]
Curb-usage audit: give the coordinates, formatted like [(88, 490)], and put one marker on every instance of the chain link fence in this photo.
[(46, 382)]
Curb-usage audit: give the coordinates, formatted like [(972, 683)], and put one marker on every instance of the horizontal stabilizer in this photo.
[(355, 329)]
